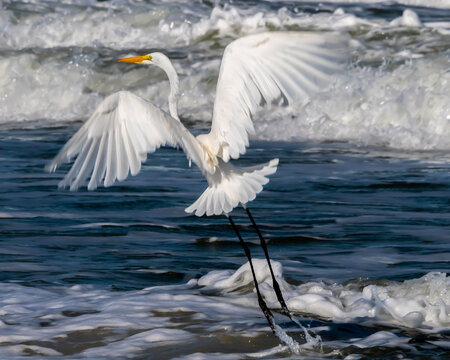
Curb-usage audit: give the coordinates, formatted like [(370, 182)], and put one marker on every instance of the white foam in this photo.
[(444, 4), (408, 18), (242, 277), (381, 338), (32, 89), (209, 356), (32, 349), (441, 343), (422, 303), (399, 106), (123, 27), (143, 341), (404, 108), (126, 323)]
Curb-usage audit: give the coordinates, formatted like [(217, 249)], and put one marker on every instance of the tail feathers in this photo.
[(230, 186)]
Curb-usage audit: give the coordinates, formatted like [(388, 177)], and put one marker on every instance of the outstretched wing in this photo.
[(265, 68), (116, 140)]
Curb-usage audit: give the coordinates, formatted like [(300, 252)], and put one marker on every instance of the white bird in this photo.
[(263, 68), (256, 69)]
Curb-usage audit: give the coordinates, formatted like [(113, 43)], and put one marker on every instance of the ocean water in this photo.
[(357, 216)]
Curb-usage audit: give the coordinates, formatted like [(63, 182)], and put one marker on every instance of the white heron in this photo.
[(283, 67)]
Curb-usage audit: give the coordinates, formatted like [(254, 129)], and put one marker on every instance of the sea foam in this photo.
[(49, 322), (397, 106), (393, 94)]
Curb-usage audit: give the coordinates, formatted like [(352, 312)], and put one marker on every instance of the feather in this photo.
[(230, 186), (116, 139), (263, 68)]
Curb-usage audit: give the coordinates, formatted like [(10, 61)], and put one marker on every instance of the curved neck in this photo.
[(174, 93), (164, 63)]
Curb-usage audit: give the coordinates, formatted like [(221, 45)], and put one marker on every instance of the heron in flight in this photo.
[(265, 68)]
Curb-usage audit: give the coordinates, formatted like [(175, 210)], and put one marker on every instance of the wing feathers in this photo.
[(111, 166), (88, 163), (131, 153), (122, 159), (100, 165), (265, 81), (117, 138), (303, 85), (266, 68), (78, 165)]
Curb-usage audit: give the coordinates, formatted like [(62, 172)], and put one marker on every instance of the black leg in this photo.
[(262, 303), (276, 286)]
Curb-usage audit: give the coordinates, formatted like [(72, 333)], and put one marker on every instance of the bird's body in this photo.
[(256, 69)]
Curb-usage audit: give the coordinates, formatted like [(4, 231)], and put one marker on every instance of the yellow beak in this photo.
[(136, 59)]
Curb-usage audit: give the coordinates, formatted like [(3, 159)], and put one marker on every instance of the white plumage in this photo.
[(116, 140), (256, 69), (229, 186), (266, 68)]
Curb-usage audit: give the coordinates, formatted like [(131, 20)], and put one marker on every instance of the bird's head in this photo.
[(161, 61), (144, 59), (150, 59)]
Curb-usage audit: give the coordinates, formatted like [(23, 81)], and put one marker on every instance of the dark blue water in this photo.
[(332, 211)]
